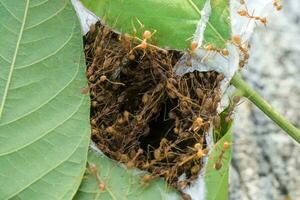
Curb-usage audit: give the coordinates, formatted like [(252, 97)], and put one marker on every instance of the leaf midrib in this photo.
[(208, 22), (14, 59)]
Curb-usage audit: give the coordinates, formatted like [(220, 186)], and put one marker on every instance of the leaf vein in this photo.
[(43, 104), (47, 172), (14, 59), (39, 4), (50, 17), (5, 59), (10, 12), (43, 134), (49, 55), (11, 31), (37, 40)]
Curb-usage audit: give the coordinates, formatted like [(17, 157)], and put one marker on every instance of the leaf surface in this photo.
[(44, 118), (120, 183), (218, 29), (175, 21)]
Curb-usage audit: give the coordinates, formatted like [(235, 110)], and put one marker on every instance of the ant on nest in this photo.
[(207, 47), (147, 35), (92, 168), (263, 20), (277, 5), (218, 164), (245, 13), (210, 47), (235, 40)]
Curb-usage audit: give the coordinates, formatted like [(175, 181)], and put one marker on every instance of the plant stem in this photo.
[(249, 93)]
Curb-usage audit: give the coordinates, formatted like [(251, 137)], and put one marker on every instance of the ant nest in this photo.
[(142, 113)]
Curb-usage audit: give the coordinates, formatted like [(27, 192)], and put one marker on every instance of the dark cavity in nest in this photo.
[(142, 113)]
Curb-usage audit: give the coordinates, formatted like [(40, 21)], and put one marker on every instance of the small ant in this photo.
[(94, 170), (277, 4), (243, 48), (147, 35), (85, 90), (197, 124), (210, 47), (195, 169), (193, 47), (200, 153), (126, 42), (233, 103), (102, 186), (218, 164), (182, 184), (104, 78), (131, 163), (216, 121), (245, 13), (164, 150), (147, 178)]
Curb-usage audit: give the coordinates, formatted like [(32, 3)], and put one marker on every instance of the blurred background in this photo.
[(266, 162)]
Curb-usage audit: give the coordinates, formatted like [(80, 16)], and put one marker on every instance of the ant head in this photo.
[(226, 145), (147, 35), (236, 39), (194, 46)]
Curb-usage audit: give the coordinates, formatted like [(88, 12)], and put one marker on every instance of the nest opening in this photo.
[(142, 113)]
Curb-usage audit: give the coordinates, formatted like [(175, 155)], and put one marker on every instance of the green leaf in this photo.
[(44, 118), (174, 20), (216, 181), (218, 27), (120, 183)]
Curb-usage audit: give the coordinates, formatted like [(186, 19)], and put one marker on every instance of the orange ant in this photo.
[(94, 170), (147, 35), (131, 163), (210, 47), (277, 4), (216, 121), (193, 47), (243, 48), (147, 178), (104, 78), (233, 103), (200, 153), (126, 42), (191, 51), (245, 13), (218, 164), (182, 184), (164, 150), (197, 124), (85, 90)]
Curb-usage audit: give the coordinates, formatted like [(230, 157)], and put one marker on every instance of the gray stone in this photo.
[(266, 161)]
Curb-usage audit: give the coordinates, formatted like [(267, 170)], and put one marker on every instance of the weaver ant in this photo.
[(277, 5), (218, 163)]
